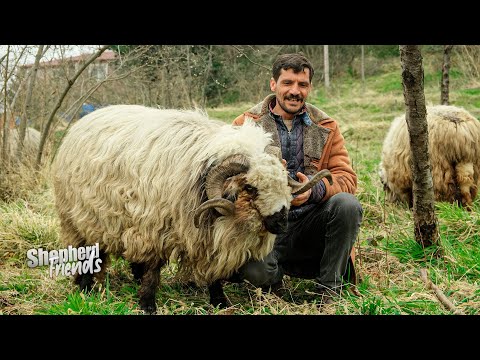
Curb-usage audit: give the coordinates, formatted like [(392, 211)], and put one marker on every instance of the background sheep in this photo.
[(157, 185), (30, 143), (454, 146)]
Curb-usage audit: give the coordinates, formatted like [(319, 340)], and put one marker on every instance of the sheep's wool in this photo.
[(131, 177), (454, 146)]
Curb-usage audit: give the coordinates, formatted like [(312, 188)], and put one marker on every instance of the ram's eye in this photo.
[(250, 189)]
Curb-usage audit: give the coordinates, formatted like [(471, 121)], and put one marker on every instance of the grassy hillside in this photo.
[(388, 258)]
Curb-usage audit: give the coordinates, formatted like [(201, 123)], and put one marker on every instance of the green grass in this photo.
[(388, 257), (94, 302), (228, 113), (470, 92), (387, 83)]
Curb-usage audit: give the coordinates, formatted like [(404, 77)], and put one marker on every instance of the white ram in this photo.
[(454, 146), (159, 185)]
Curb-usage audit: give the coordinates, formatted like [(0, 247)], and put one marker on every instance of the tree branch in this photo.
[(6, 123), (440, 295), (26, 106), (77, 105), (253, 62), (70, 83)]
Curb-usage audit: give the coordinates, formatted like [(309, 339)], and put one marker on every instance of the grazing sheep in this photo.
[(30, 143), (159, 185), (454, 146)]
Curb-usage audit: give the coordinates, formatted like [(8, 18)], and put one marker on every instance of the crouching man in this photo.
[(323, 223)]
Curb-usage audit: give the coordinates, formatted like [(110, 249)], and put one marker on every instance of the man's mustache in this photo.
[(292, 97)]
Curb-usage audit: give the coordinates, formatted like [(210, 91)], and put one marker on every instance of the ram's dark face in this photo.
[(277, 223), (245, 197)]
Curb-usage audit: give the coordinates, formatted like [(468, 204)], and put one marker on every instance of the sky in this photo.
[(28, 57), (54, 52)]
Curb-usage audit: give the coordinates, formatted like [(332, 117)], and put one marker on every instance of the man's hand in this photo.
[(301, 198)]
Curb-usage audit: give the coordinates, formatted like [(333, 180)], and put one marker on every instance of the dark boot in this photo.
[(276, 288), (326, 295)]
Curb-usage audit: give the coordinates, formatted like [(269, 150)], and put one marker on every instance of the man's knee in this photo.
[(346, 216), (347, 206)]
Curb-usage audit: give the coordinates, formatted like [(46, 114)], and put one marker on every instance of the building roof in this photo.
[(106, 56)]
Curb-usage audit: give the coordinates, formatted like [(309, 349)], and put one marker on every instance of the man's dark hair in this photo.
[(296, 61)]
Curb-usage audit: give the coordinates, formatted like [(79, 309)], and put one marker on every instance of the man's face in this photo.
[(291, 89)]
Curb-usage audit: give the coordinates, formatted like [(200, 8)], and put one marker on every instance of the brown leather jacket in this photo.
[(324, 145)]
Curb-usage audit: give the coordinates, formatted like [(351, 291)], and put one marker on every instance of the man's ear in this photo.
[(273, 84)]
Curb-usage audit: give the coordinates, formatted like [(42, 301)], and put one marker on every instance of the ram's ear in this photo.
[(206, 218), (232, 187), (223, 206)]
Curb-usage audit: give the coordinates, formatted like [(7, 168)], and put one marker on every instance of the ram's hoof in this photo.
[(149, 308), (220, 301)]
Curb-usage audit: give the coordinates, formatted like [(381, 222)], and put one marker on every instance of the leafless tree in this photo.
[(471, 60), (26, 105), (444, 91), (14, 54), (22, 81), (207, 73), (326, 66), (70, 82), (6, 123), (362, 67), (116, 75), (425, 220)]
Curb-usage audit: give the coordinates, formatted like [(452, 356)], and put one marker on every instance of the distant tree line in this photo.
[(211, 75), (183, 76)]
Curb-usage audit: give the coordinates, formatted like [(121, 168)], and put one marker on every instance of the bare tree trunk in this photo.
[(25, 113), (6, 124), (207, 74), (15, 96), (444, 91), (19, 89), (424, 216), (326, 66), (362, 67), (77, 104), (168, 79), (70, 83), (189, 75)]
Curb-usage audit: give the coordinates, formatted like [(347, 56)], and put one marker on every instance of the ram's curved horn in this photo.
[(224, 206), (298, 187), (232, 165)]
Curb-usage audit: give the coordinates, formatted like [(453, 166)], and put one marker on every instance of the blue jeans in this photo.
[(315, 246)]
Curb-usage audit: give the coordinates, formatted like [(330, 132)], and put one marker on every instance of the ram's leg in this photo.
[(70, 236), (217, 296), (409, 197), (466, 183), (100, 276), (149, 285), (84, 281), (138, 269)]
